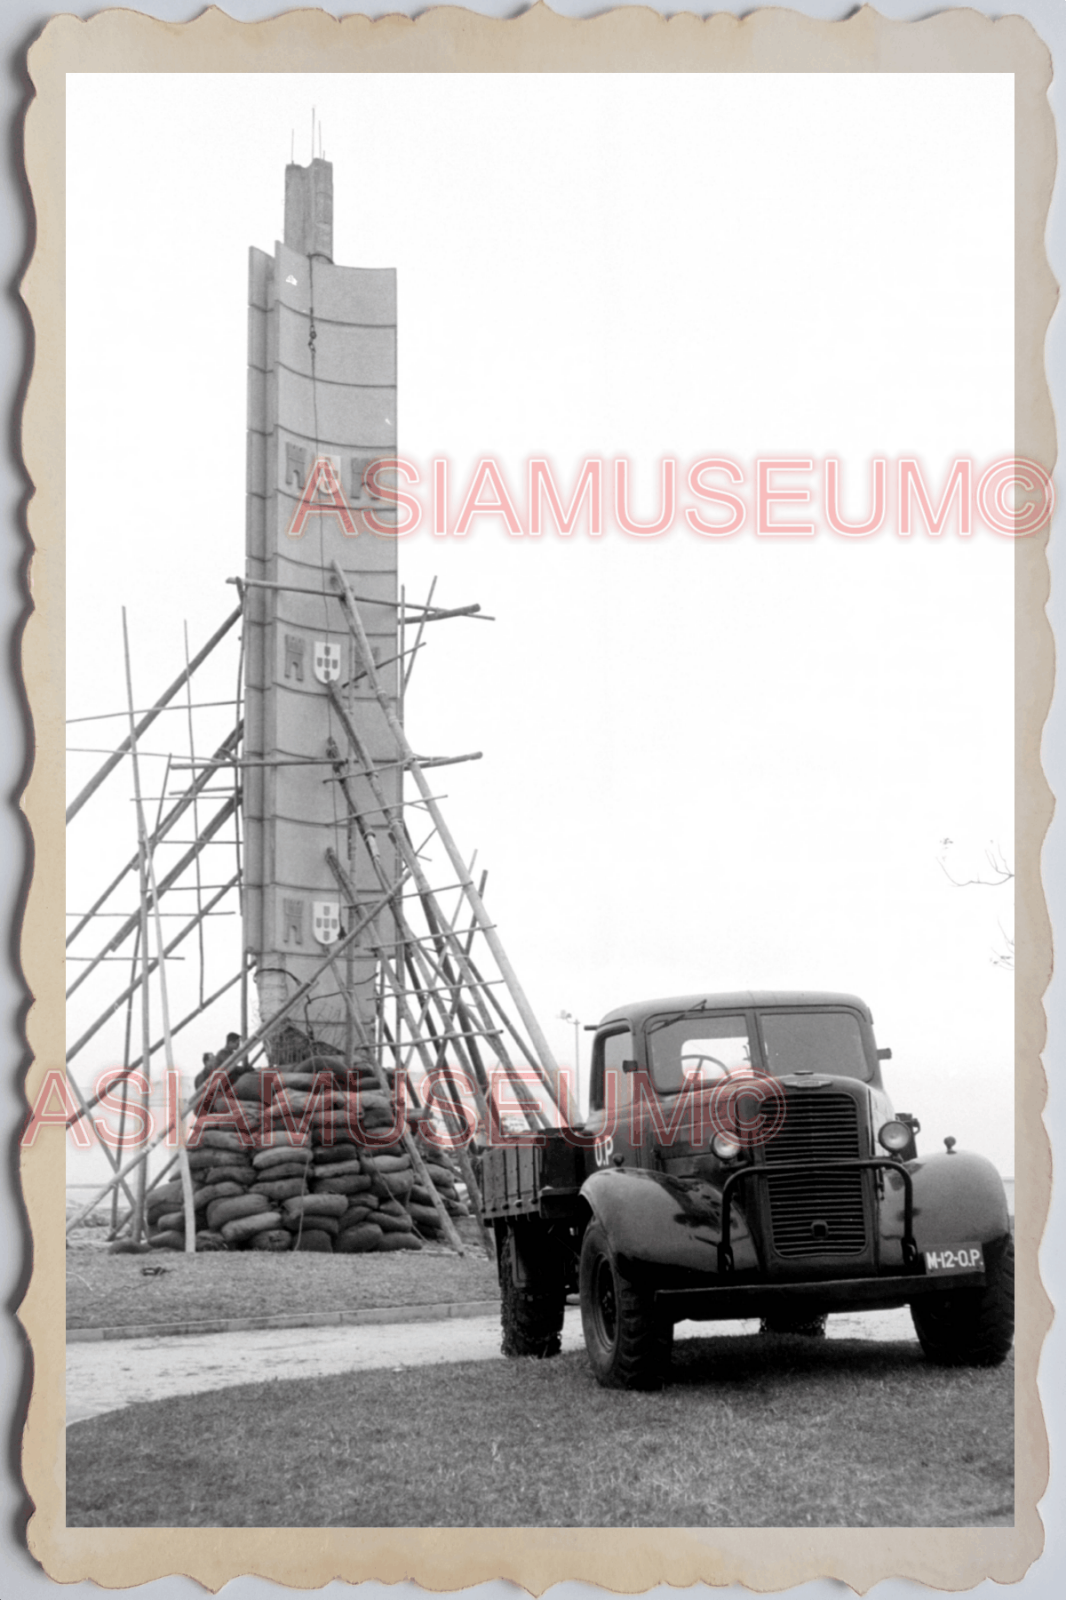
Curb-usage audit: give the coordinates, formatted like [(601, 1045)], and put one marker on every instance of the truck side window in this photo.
[(609, 1053)]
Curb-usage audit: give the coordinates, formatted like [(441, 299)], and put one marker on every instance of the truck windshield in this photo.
[(814, 1041), (707, 1047)]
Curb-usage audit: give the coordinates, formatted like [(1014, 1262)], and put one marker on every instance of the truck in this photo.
[(741, 1158)]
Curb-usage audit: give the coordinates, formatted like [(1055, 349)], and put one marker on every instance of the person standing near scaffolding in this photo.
[(215, 1063)]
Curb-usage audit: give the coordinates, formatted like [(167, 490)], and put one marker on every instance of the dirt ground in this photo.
[(112, 1374)]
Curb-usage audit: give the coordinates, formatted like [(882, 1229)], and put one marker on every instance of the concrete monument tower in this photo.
[(321, 409)]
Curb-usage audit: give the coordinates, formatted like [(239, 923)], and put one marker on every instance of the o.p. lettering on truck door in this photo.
[(603, 1150)]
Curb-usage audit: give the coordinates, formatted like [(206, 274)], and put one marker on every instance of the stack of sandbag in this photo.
[(321, 1174), (224, 1202)]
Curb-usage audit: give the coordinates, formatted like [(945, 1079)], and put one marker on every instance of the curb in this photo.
[(432, 1311)]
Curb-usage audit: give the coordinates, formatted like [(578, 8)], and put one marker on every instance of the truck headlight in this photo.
[(724, 1148), (895, 1136)]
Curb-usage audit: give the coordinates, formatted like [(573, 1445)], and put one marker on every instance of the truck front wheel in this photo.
[(628, 1343), (971, 1327), (531, 1313)]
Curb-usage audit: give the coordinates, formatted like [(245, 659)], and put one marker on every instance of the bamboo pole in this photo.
[(410, 856), (211, 828), (242, 1051), (179, 1128), (135, 731), (105, 1016), (451, 1232), (142, 833), (550, 1070), (172, 816)]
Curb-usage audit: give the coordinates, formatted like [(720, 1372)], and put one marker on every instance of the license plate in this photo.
[(964, 1258)]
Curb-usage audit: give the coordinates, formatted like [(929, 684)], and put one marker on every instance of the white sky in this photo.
[(708, 765)]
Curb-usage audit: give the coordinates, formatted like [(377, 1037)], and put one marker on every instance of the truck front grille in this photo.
[(817, 1212)]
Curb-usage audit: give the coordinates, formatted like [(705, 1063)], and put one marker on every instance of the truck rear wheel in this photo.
[(971, 1327), (531, 1313), (628, 1343)]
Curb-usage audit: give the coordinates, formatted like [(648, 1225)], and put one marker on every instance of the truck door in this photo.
[(610, 1094)]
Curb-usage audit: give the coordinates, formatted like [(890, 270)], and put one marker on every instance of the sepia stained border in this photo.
[(450, 40)]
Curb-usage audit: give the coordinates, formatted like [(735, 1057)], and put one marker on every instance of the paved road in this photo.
[(115, 1373)]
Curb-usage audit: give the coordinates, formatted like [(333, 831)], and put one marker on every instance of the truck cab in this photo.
[(741, 1157)]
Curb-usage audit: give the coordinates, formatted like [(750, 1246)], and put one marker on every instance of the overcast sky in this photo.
[(708, 764)]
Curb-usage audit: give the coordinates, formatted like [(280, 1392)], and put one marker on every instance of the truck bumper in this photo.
[(713, 1303)]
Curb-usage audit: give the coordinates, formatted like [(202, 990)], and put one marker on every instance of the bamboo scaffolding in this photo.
[(135, 732), (240, 1054), (162, 830), (105, 1016), (451, 1233), (221, 816), (409, 855), (544, 1058), (95, 1099)]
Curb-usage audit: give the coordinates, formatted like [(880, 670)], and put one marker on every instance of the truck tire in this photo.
[(807, 1327), (531, 1313), (971, 1327), (628, 1342)]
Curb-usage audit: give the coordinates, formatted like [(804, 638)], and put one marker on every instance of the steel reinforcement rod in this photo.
[(146, 721)]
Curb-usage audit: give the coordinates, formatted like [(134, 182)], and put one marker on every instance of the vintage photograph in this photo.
[(540, 721)]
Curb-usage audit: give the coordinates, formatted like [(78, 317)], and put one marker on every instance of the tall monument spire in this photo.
[(321, 411), (309, 208)]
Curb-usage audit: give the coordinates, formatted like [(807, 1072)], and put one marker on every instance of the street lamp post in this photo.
[(567, 1016)]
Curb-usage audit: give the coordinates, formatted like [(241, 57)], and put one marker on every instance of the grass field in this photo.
[(753, 1432), (112, 1291)]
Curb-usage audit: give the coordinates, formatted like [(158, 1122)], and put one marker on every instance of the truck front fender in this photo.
[(652, 1219), (958, 1199)]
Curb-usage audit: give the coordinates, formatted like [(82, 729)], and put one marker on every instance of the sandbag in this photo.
[(330, 1155), (354, 1183), (249, 1086), (301, 1224), (294, 1101), (391, 1224), (279, 1153), (398, 1184), (363, 1202), (207, 1241), (222, 1139), (245, 1205), (320, 1205), (399, 1241), (245, 1227), (202, 1198), (171, 1222), (280, 1188), (352, 1219), (455, 1208), (213, 1157), (245, 1175), (358, 1241), (425, 1216), (338, 1169), (275, 1240), (420, 1194), (284, 1169), (169, 1241), (441, 1175), (316, 1241), (163, 1198), (386, 1162)]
